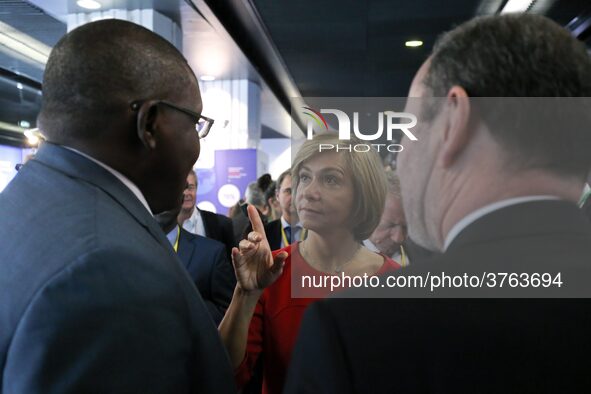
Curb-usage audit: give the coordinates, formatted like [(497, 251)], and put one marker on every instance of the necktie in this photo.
[(288, 233)]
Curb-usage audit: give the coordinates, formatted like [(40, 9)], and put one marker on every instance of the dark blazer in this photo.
[(219, 227), (462, 345), (415, 252), (241, 223), (93, 297), (272, 231), (205, 260)]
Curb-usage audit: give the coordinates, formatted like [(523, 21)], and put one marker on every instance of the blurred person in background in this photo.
[(391, 232), (205, 261), (272, 202), (287, 229), (204, 223), (252, 196)]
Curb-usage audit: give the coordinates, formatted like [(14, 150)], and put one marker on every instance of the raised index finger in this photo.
[(255, 220)]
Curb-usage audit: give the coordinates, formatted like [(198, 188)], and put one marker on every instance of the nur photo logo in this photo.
[(388, 122)]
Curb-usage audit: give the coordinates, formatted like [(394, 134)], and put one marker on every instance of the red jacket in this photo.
[(276, 322)]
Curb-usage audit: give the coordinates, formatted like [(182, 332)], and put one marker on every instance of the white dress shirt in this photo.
[(397, 257), (195, 224), (296, 231)]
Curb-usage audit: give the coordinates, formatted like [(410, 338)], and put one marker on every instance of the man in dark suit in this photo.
[(495, 195), (206, 262), (204, 223), (94, 298), (286, 229)]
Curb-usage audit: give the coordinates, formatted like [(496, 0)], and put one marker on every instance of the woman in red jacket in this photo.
[(339, 197)]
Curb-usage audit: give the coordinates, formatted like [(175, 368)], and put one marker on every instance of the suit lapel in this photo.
[(524, 220), (186, 247), (78, 166), (208, 224)]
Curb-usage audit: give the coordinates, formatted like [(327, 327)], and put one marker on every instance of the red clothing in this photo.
[(276, 321)]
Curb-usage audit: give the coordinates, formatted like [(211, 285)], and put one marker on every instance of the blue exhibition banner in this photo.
[(223, 185)]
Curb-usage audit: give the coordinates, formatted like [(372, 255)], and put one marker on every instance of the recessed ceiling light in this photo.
[(207, 78), (89, 4), (413, 43), (19, 86), (517, 6)]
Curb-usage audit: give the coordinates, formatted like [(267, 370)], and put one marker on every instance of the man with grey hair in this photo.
[(205, 223), (495, 195), (252, 196), (97, 300), (391, 232)]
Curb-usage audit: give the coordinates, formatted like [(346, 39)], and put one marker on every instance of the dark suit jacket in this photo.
[(93, 298), (205, 260), (272, 231), (219, 227), (462, 345)]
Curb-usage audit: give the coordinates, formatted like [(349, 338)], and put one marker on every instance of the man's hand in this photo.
[(253, 261)]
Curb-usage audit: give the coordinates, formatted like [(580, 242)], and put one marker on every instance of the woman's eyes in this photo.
[(330, 180), (304, 178)]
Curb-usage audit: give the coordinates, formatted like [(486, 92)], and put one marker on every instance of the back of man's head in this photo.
[(514, 55), (95, 71), (520, 55)]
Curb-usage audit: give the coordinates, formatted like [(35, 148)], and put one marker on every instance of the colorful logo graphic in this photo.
[(317, 117)]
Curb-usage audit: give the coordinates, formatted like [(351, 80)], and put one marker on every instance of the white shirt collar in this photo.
[(130, 185), (477, 214), (397, 256), (371, 246), (285, 223), (195, 223)]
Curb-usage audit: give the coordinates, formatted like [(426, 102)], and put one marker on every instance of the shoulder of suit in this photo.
[(214, 215), (208, 242), (205, 213), (186, 234)]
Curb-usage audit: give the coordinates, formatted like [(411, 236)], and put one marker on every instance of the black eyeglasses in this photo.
[(202, 123)]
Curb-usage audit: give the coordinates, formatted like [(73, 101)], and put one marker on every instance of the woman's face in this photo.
[(325, 193)]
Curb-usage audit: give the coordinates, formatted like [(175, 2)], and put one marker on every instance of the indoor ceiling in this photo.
[(304, 48), (20, 78), (357, 48), (206, 44)]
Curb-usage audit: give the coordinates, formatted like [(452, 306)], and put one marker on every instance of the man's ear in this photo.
[(458, 131), (146, 123)]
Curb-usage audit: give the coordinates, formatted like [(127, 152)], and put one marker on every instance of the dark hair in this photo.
[(96, 70), (264, 181), (518, 55), (270, 191)]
